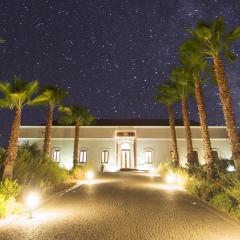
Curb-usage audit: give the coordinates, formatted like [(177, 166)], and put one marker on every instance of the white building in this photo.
[(119, 146)]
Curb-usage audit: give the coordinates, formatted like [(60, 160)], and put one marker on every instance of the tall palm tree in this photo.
[(52, 97), (195, 67), (16, 96), (185, 89), (215, 41), (79, 116), (168, 96)]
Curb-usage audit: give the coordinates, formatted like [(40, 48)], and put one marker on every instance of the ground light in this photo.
[(170, 179), (175, 181), (32, 201), (90, 175)]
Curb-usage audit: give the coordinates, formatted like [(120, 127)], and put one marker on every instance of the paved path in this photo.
[(123, 206)]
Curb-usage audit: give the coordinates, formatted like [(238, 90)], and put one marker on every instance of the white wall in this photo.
[(96, 139)]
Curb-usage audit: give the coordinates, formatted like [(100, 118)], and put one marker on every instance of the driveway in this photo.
[(124, 206)]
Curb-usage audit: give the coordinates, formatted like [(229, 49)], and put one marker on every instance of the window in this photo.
[(148, 156), (83, 156), (104, 156), (56, 155)]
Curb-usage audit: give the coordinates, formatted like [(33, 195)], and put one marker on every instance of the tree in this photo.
[(168, 96), (195, 68), (185, 89), (215, 41), (52, 97), (79, 116), (16, 96)]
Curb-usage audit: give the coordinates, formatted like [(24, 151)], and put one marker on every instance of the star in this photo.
[(110, 55)]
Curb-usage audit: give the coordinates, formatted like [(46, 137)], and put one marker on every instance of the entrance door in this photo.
[(125, 163)]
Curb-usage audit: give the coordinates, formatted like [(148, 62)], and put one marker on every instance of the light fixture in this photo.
[(170, 179), (90, 175), (32, 201)]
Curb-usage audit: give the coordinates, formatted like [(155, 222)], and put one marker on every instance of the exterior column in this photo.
[(116, 153), (135, 154), (132, 160), (119, 155)]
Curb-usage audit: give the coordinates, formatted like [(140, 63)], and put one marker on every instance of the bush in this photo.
[(9, 189), (192, 186), (223, 164), (8, 193), (77, 173), (230, 184), (202, 188), (222, 201), (31, 171)]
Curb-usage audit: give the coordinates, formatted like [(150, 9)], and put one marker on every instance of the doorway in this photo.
[(125, 161)]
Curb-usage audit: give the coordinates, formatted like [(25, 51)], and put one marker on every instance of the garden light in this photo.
[(175, 181), (32, 201), (170, 179), (90, 175)]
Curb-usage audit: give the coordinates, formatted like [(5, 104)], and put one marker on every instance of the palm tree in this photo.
[(168, 96), (16, 96), (79, 116), (195, 67), (185, 89), (52, 97), (214, 41)]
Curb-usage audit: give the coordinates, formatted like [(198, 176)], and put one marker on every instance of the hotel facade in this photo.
[(119, 146)]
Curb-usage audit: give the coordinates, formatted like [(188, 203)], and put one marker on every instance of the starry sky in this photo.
[(109, 54)]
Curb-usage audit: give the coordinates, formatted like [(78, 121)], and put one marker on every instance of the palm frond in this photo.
[(5, 88)]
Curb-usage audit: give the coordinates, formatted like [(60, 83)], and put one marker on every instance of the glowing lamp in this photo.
[(89, 175), (170, 179), (32, 201)]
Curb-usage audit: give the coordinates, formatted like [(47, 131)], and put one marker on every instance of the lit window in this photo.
[(148, 156), (83, 156), (56, 155), (104, 156)]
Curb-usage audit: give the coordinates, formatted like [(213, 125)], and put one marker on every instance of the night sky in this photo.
[(109, 54)]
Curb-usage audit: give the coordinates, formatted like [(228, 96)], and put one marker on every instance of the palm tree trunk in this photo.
[(227, 107), (48, 134), (12, 146), (204, 130), (188, 135), (76, 143), (175, 157)]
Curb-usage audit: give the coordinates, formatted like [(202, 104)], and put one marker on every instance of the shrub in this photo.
[(221, 201), (9, 189), (230, 184), (192, 186), (223, 192), (32, 171), (77, 173), (223, 164), (8, 193), (235, 212)]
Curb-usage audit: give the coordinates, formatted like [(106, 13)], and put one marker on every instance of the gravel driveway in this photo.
[(124, 206)]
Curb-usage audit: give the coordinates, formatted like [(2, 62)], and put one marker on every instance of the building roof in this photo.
[(136, 122), (140, 122)]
